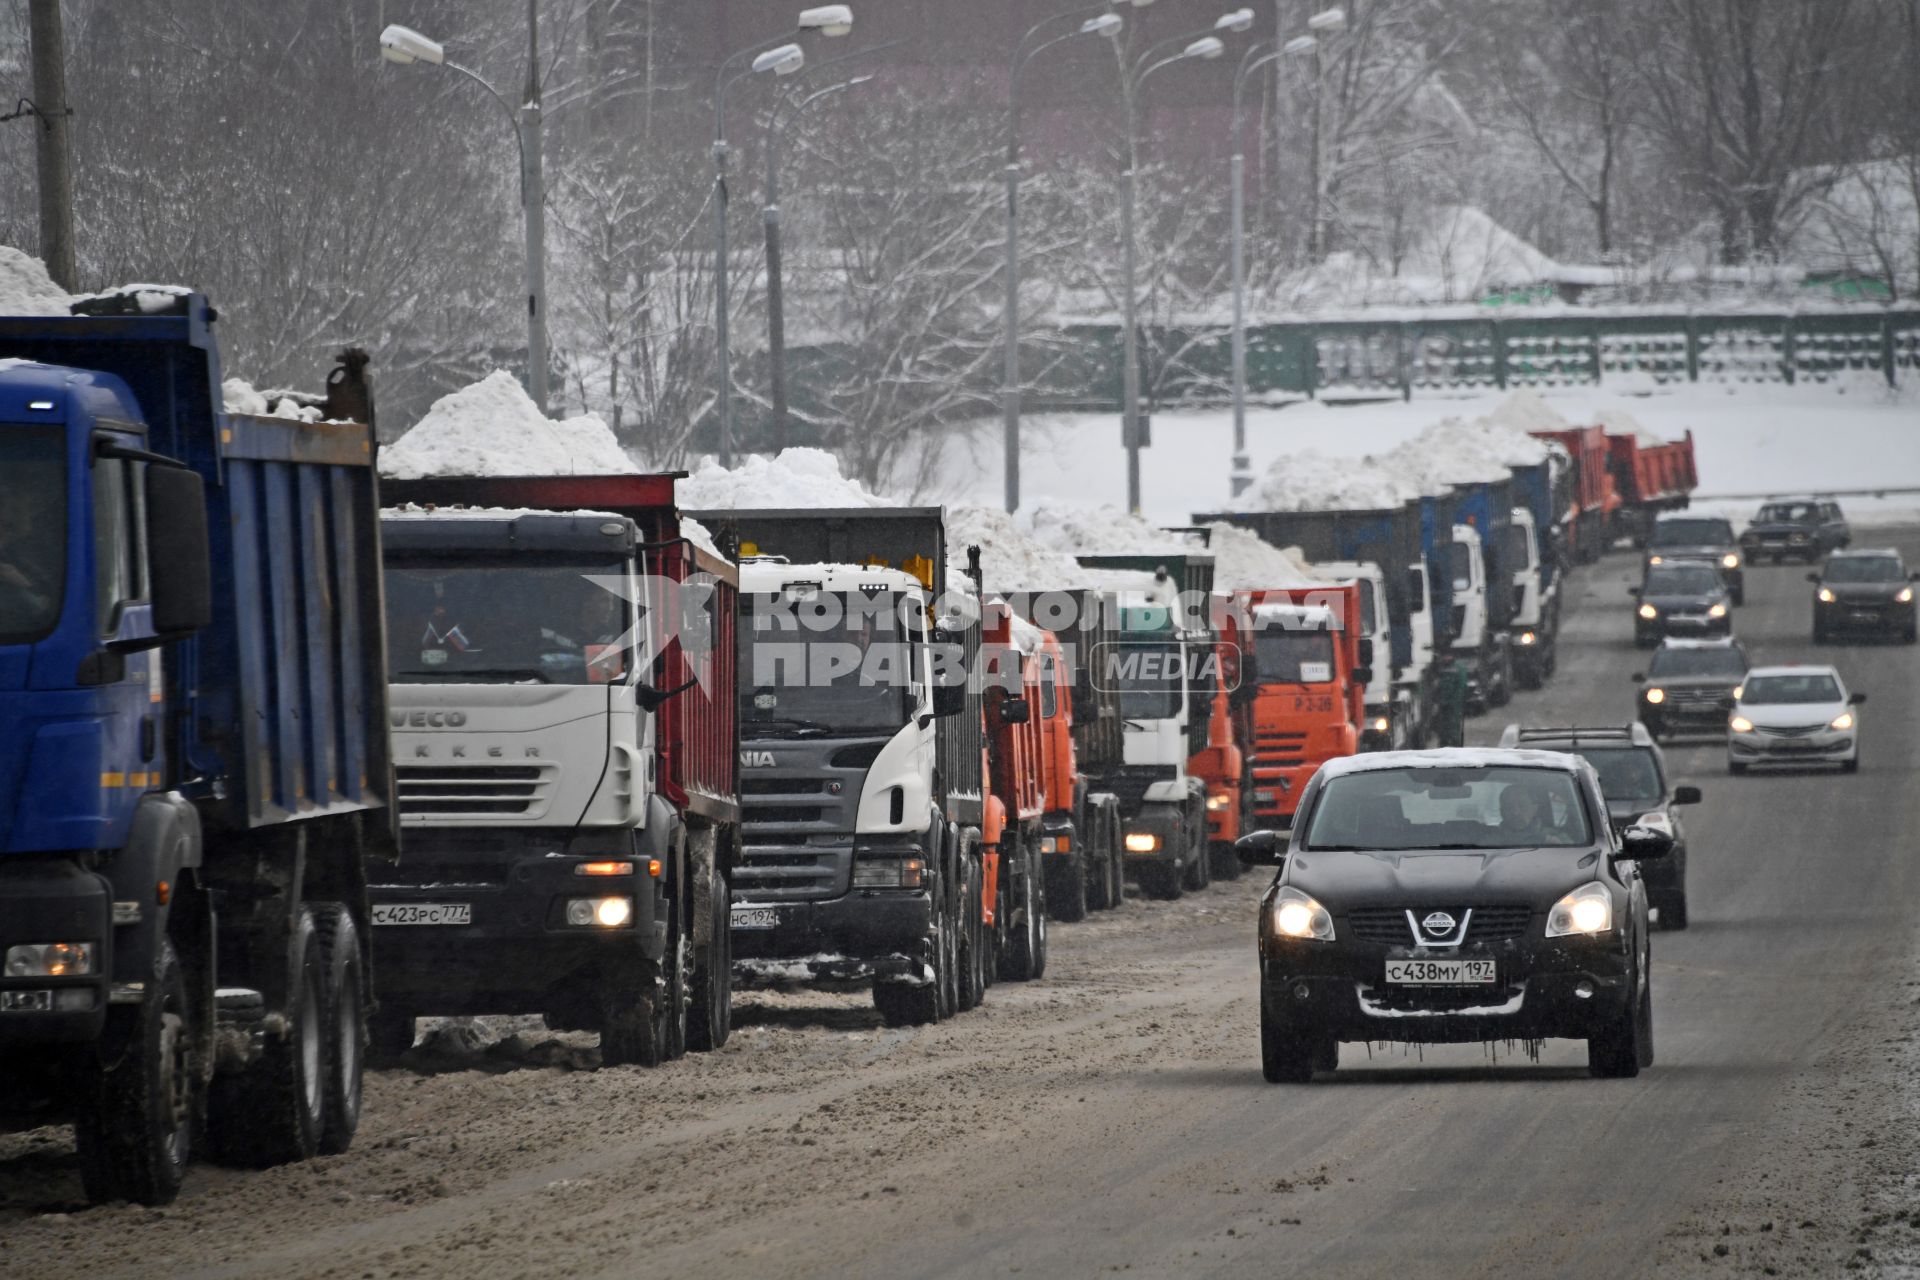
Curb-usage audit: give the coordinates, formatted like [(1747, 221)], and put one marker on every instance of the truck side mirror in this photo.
[(1363, 675), (1015, 711), (1366, 655), (949, 700), (1416, 590), (181, 583)]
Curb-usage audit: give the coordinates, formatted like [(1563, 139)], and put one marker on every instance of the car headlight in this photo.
[(1842, 721), (1295, 915), (1740, 724), (50, 960), (1824, 595), (1648, 611), (1587, 910), (1656, 696), (1904, 596), (1142, 842), (1656, 560), (1717, 611), (1729, 561)]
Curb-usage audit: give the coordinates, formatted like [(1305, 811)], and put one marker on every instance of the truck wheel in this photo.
[(1103, 885), (1039, 923), (1067, 896), (710, 1019), (273, 1111), (946, 967), (1500, 687), (973, 963), (1024, 957), (346, 1025), (1159, 880), (1199, 864), (902, 1004), (389, 1034), (136, 1122), (1225, 863), (633, 1021)]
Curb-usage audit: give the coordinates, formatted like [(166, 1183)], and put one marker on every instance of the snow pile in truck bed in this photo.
[(1105, 531), (1523, 410), (1011, 559), (493, 428), (26, 289), (1312, 481), (1619, 422), (1243, 560), (799, 477)]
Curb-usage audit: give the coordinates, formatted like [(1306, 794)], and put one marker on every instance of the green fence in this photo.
[(1081, 363)]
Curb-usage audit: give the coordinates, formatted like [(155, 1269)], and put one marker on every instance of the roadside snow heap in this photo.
[(1104, 531), (493, 428), (795, 478)]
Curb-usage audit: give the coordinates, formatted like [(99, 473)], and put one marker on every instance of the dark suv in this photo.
[(1681, 599), (1707, 539), (1807, 528), (1639, 792), (1865, 592), (1689, 686), (1455, 896)]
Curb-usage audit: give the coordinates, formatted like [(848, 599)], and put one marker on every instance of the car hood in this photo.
[(1789, 715), (1445, 878), (1696, 601), (1725, 684), (1866, 592), (1696, 551)]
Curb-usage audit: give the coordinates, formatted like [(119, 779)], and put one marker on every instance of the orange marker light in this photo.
[(604, 869), (163, 893), (653, 867)]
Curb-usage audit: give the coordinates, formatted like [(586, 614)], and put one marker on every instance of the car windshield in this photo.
[(1283, 656), (33, 531), (1864, 569), (1626, 773), (1148, 676), (836, 670), (1669, 663), (1691, 533), (1682, 580), (1788, 513), (1761, 691), (1422, 809), (506, 621)]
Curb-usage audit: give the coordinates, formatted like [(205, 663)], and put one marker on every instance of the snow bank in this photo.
[(1011, 559), (1106, 531), (796, 478), (494, 428), (1312, 481), (1243, 560), (26, 289)]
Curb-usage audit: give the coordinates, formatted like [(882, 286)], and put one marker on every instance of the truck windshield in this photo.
[(505, 621), (1691, 533), (848, 674), (1148, 676), (1293, 657), (1408, 810), (33, 531)]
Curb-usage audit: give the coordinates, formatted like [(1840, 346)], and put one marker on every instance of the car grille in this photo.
[(467, 791), (1388, 925), (1699, 698), (1789, 731)]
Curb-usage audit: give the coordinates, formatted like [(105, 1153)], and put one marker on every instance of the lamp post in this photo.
[(403, 45), (1328, 20), (1107, 24), (1241, 475), (782, 60), (1198, 44), (770, 223)]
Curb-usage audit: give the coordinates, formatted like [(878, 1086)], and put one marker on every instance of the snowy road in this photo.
[(1112, 1117)]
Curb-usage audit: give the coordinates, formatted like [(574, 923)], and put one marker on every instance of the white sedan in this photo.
[(1794, 715)]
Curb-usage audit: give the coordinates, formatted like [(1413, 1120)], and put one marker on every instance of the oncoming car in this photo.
[(1798, 715), (1689, 686), (1864, 592), (1807, 528), (1454, 896), (1686, 598), (1699, 540)]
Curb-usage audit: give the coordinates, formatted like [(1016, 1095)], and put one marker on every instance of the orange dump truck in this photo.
[(1309, 670)]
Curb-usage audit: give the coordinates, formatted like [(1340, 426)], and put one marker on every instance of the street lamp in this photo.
[(1241, 475), (1105, 24), (770, 222), (1201, 44), (404, 46), (783, 60)]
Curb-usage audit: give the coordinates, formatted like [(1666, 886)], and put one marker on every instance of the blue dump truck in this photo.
[(194, 758)]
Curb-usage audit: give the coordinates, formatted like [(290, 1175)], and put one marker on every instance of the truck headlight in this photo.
[(1648, 612), (1295, 915), (1729, 561), (1218, 801), (1142, 842), (1527, 638), (50, 960), (1587, 910), (606, 913), (1656, 560), (1824, 595), (1656, 696), (1717, 611), (1380, 724), (1740, 724), (889, 873), (1842, 721)]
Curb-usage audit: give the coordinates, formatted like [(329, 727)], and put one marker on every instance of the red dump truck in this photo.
[(1596, 500), (1651, 476), (1310, 669)]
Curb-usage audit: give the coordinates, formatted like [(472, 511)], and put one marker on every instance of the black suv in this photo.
[(1639, 792), (1681, 599), (1807, 528), (1707, 539), (1689, 686), (1454, 896), (1865, 592)]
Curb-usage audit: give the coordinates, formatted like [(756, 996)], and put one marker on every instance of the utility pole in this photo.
[(533, 193), (50, 135)]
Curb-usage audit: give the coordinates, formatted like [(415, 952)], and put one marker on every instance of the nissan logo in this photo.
[(1439, 924), (429, 719)]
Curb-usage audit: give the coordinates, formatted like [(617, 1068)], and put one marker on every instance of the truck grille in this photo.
[(1388, 925), (1130, 783), (792, 873), (469, 791), (1279, 748)]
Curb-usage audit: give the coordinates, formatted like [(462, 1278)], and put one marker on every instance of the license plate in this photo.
[(26, 1001), (756, 917), (1860, 615), (1440, 973), (423, 913)]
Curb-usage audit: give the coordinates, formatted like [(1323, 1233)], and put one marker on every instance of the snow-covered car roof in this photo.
[(1880, 553), (1795, 669), (1451, 758), (1705, 642)]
